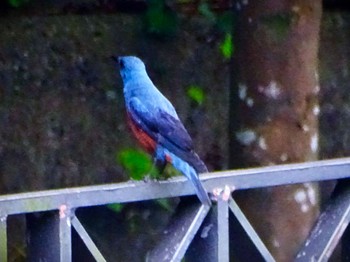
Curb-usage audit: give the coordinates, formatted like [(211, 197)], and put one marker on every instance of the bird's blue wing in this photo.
[(167, 130), (142, 117), (161, 126), (172, 131)]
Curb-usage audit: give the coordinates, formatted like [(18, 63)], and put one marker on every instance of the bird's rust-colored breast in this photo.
[(142, 137)]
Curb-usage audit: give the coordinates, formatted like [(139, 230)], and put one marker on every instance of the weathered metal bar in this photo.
[(179, 186), (3, 238), (79, 228), (223, 232), (265, 253), (204, 246), (179, 234), (49, 236), (65, 233), (328, 230)]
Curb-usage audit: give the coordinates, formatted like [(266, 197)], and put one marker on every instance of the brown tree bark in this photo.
[(274, 109)]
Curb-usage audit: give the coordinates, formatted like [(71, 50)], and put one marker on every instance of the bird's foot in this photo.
[(222, 193)]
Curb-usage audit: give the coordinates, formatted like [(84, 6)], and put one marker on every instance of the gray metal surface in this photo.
[(328, 230), (3, 238), (48, 237), (265, 253), (179, 234), (204, 246), (223, 233), (79, 228), (54, 228), (179, 186), (65, 233)]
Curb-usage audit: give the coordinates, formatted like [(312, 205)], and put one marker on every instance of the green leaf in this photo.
[(137, 163), (226, 47), (196, 93), (116, 207)]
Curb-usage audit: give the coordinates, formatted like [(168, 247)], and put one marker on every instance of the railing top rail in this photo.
[(179, 186)]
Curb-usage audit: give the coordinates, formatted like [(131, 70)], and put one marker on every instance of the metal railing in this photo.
[(54, 227)]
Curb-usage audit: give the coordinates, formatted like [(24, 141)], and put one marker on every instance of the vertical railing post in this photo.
[(49, 236), (3, 238), (223, 230), (212, 240), (65, 233)]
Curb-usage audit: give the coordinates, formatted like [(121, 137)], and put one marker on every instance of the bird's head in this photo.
[(129, 65)]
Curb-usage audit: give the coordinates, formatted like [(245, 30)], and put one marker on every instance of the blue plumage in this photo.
[(151, 114)]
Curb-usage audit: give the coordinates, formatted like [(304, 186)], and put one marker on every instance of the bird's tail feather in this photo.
[(192, 175), (201, 192), (198, 164)]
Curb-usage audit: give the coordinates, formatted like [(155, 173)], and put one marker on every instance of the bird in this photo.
[(156, 125)]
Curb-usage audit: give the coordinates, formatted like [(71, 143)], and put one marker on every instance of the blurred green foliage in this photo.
[(137, 163), (116, 207), (165, 204), (160, 20), (162, 202), (204, 10), (17, 3), (196, 94), (226, 46), (224, 22)]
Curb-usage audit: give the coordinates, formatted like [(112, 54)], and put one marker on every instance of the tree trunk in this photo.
[(274, 109)]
